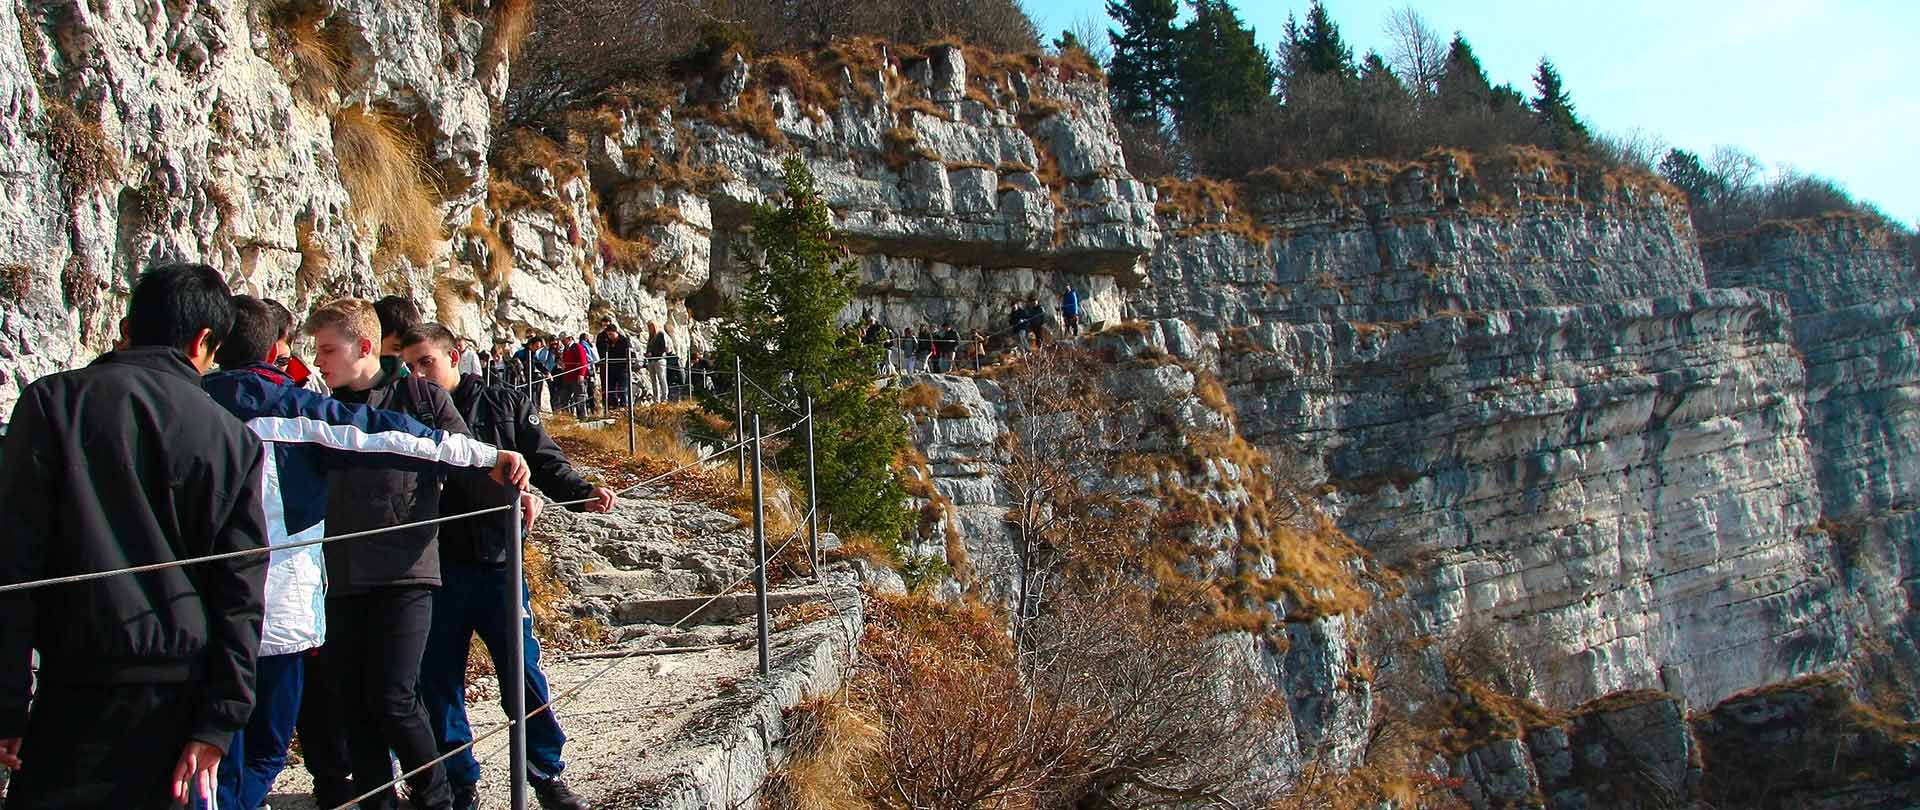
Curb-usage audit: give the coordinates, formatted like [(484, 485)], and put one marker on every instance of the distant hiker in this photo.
[(949, 347), (702, 373), (657, 361), (380, 588), (306, 434), (1036, 320), (470, 360), (574, 369), (535, 365), (976, 349), (593, 371), (617, 350), (475, 583), (499, 368), (910, 345), (144, 678), (1070, 311)]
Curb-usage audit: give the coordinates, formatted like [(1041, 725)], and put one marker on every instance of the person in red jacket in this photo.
[(575, 366)]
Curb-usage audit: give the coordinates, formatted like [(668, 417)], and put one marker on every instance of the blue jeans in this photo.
[(259, 751), (473, 599)]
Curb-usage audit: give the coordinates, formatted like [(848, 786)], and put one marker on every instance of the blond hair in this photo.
[(352, 317)]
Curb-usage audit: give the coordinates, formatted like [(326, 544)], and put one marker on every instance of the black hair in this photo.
[(396, 314), (282, 317), (428, 333), (172, 303), (255, 329)]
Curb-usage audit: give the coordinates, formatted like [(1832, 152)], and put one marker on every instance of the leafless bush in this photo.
[(580, 48), (1125, 705), (1418, 54)]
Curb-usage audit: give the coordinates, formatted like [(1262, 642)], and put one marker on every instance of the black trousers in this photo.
[(323, 737), (92, 746), (374, 643)]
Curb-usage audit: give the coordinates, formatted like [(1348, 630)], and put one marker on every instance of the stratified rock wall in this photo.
[(141, 132), (1627, 487), (1397, 242)]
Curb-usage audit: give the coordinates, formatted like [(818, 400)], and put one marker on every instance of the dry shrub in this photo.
[(317, 49), (955, 410), (79, 146), (1119, 706), (16, 282), (386, 178)]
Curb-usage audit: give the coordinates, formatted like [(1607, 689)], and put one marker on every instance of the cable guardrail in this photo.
[(576, 689), (808, 524)]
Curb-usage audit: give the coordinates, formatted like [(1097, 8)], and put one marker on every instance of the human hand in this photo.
[(511, 469), (530, 506), (602, 500), (194, 774), (10, 753)]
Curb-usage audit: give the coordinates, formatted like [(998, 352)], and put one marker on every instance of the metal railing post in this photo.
[(813, 497), (760, 546), (514, 684), (739, 424), (631, 446)]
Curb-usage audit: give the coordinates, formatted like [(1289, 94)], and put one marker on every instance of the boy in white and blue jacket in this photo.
[(305, 435)]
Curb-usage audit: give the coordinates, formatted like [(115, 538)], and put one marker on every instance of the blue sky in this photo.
[(1831, 88)]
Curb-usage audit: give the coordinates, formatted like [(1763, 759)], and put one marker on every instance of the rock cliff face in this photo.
[(1534, 410), (206, 130)]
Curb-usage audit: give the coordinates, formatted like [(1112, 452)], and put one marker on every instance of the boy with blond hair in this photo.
[(380, 588)]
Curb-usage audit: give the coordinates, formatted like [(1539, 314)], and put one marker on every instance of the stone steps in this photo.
[(705, 610)]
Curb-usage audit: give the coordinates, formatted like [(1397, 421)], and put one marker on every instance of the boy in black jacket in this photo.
[(380, 589), (144, 677), (475, 584)]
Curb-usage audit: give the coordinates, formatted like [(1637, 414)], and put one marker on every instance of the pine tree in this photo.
[(1554, 109), (1145, 58), (1464, 82), (1685, 171), (1322, 51), (1223, 71), (785, 322)]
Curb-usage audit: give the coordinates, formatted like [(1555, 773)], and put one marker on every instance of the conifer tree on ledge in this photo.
[(784, 326)]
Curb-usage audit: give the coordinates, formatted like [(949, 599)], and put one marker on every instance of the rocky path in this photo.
[(674, 713)]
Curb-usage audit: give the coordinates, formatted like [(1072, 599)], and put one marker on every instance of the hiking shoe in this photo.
[(555, 795), (465, 797)]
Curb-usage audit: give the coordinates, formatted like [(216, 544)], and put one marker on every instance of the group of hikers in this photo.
[(943, 350), (578, 375), (184, 684)]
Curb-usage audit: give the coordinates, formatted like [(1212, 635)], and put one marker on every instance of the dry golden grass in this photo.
[(382, 167), (921, 400), (831, 739), (318, 52), (314, 261), (512, 19), (498, 267)]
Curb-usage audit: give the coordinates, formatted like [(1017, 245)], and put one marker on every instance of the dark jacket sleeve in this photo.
[(23, 550), (479, 490), (552, 473), (231, 592)]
